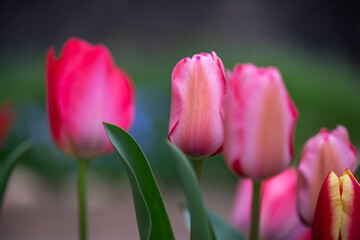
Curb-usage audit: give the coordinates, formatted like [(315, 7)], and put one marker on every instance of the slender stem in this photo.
[(255, 219), (197, 166), (83, 164)]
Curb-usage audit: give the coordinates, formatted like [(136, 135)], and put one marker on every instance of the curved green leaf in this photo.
[(200, 227), (222, 229), (152, 218), (8, 165)]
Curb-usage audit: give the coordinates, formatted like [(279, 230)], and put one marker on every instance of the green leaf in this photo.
[(9, 163), (152, 218), (222, 229), (200, 227)]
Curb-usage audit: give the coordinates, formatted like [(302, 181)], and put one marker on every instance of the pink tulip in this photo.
[(196, 122), (337, 214), (84, 89), (327, 151), (260, 120), (278, 216), (7, 118)]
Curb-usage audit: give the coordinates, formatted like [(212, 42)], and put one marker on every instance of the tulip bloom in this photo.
[(325, 152), (260, 120), (337, 214), (198, 86), (84, 89), (7, 118), (278, 216)]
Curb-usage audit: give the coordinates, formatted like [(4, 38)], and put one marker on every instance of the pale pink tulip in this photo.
[(260, 121), (196, 123), (327, 151), (278, 216), (84, 89)]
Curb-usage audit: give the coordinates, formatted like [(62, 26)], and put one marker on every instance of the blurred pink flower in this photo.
[(196, 123), (260, 121), (85, 88), (337, 214), (7, 118), (278, 216), (327, 151)]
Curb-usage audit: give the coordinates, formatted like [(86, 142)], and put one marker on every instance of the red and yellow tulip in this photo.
[(337, 214)]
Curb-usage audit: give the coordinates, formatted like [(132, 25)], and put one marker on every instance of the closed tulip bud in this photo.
[(327, 151), (337, 214), (278, 216), (84, 89), (198, 86), (7, 118), (260, 121)]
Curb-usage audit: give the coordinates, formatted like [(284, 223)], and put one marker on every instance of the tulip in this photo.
[(84, 89), (326, 151), (260, 120), (198, 86), (278, 216), (337, 214), (7, 118)]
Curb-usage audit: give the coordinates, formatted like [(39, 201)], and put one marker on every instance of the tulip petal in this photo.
[(83, 93), (53, 110), (350, 219), (328, 212)]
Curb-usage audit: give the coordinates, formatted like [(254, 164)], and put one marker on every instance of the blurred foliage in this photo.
[(324, 89)]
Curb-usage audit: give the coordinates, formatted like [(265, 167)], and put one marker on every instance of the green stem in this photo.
[(197, 166), (82, 199), (255, 219)]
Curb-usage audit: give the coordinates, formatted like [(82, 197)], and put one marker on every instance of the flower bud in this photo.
[(337, 214), (84, 89), (198, 86), (260, 120)]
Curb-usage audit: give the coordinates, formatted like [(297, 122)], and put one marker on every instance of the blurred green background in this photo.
[(314, 44)]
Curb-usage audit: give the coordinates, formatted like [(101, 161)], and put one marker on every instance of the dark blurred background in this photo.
[(315, 44)]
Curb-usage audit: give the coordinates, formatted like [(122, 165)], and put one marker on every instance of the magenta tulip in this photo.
[(84, 89), (196, 123), (278, 216), (325, 152), (260, 121), (337, 214), (7, 118)]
